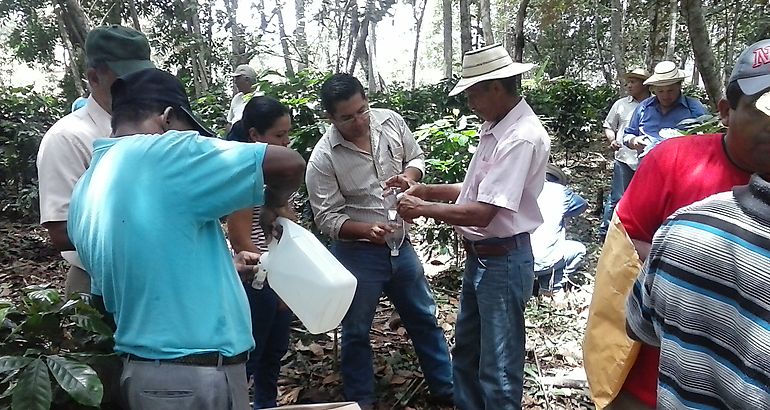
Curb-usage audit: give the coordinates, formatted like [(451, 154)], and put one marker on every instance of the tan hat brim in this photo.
[(661, 81), (505, 72), (634, 75)]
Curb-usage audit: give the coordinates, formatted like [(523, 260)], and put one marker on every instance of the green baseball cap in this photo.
[(124, 50)]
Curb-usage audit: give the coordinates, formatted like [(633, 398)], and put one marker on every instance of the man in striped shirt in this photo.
[(703, 295)]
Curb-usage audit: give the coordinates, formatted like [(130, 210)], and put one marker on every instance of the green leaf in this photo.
[(9, 363), (92, 324), (3, 313), (33, 391), (78, 379)]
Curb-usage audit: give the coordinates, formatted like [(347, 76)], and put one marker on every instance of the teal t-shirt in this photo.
[(144, 219)]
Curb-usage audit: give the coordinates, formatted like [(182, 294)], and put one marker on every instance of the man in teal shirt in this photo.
[(144, 219)]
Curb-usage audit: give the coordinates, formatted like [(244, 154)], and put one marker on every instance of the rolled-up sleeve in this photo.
[(325, 196), (413, 155)]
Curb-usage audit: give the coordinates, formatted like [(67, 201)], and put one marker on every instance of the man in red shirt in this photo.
[(676, 173)]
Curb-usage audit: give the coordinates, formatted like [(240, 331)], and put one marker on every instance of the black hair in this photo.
[(137, 111), (339, 87), (261, 113), (734, 94)]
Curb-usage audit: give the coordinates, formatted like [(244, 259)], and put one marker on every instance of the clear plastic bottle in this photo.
[(396, 238)]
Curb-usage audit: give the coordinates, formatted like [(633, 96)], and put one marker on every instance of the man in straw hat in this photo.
[(622, 373), (495, 210), (667, 109), (626, 159)]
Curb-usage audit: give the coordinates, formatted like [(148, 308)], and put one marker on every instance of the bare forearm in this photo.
[(239, 231), (610, 134), (413, 173), (354, 230), (441, 192), (471, 214)]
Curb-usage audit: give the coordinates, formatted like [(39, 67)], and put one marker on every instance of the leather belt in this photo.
[(502, 248), (211, 359)]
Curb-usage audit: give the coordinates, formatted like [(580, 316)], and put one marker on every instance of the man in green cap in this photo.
[(65, 151)]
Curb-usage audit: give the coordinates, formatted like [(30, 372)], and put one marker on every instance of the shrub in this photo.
[(25, 116)]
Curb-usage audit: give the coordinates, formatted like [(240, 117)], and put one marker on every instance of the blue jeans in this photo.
[(403, 280), (621, 177), (270, 320), (550, 280), (488, 357)]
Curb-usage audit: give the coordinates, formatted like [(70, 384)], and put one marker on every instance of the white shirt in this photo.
[(236, 108), (617, 120), (63, 156), (508, 171)]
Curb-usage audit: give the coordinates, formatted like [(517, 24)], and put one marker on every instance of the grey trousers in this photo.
[(169, 386), (77, 281)]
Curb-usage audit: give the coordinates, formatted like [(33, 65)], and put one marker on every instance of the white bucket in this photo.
[(312, 282)]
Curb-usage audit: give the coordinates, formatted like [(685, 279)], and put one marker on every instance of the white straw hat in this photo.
[(666, 73), (487, 63)]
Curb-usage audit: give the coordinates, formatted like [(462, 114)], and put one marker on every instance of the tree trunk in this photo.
[(73, 63), (134, 15), (371, 70), (695, 75), (465, 26), (486, 21), (672, 28), (654, 52), (284, 43), (113, 14), (447, 23), (300, 36), (518, 49), (618, 42), (355, 32), (75, 21), (692, 11), (419, 13)]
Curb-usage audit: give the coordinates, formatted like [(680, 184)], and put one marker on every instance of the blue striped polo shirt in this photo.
[(703, 296)]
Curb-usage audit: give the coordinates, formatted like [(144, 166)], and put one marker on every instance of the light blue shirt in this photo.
[(557, 203), (648, 119), (144, 219)]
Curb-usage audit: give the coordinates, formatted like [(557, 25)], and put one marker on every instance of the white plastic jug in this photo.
[(312, 282)]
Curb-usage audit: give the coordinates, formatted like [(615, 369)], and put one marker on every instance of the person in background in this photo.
[(555, 255), (666, 109), (145, 221), (626, 159), (345, 182), (65, 151), (623, 374), (245, 81), (495, 210), (266, 121)]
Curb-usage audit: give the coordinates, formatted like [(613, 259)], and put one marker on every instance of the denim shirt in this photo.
[(649, 120)]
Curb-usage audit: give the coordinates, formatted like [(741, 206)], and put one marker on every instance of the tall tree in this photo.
[(284, 42), (465, 26), (485, 15), (300, 36), (418, 12), (617, 43), (673, 14), (447, 30), (692, 11), (518, 36)]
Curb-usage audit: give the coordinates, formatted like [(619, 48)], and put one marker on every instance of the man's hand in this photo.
[(377, 233), (400, 181), (614, 145), (639, 143), (409, 206), (267, 217), (246, 264)]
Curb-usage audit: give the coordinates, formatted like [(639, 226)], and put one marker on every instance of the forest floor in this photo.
[(554, 378)]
